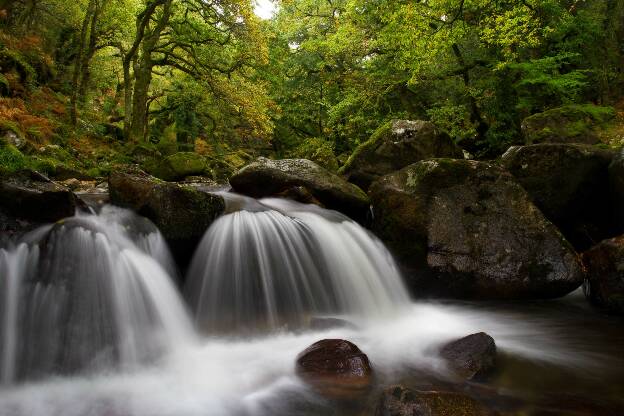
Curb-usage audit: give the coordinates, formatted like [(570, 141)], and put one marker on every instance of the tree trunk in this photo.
[(142, 81), (79, 62)]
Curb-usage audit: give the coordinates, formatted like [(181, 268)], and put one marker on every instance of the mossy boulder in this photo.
[(401, 401), (569, 183), (467, 229), (394, 146), (604, 286), (266, 177), (180, 165), (31, 198), (567, 124), (182, 213)]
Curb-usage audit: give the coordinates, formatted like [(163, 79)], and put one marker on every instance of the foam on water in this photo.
[(87, 293), (274, 263)]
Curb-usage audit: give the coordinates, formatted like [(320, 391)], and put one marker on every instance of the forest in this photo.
[(311, 207), (105, 82)]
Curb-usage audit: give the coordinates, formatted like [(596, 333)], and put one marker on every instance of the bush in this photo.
[(317, 150), (12, 159)]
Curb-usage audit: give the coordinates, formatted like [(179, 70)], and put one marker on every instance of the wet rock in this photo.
[(335, 367), (569, 183), (29, 195), (616, 184), (179, 165), (400, 401), (182, 213), (472, 357), (467, 229), (604, 286), (394, 146), (567, 124), (266, 177)]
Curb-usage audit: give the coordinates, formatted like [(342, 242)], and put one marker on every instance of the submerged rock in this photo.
[(30, 196), (394, 146), (467, 229), (335, 367), (181, 213), (179, 165), (569, 183), (472, 357), (400, 401), (567, 124), (266, 177), (604, 286)]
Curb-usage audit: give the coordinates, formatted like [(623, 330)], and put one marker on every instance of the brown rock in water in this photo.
[(335, 367), (266, 177), (467, 229), (604, 286), (400, 401), (472, 357), (182, 213)]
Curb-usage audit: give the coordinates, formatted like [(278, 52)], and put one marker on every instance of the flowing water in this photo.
[(272, 263), (124, 345)]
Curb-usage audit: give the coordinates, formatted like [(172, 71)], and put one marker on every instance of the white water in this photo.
[(87, 294), (214, 376), (273, 263), (256, 376)]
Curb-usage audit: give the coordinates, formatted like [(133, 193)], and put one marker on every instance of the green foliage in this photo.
[(317, 150), (12, 159)]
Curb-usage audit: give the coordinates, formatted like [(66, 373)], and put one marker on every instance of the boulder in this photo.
[(569, 183), (472, 357), (182, 213), (616, 184), (567, 124), (31, 196), (467, 229), (394, 146), (335, 367), (604, 286), (400, 401), (179, 165), (266, 177)]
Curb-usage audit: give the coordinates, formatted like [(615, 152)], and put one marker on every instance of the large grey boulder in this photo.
[(569, 183), (394, 146), (266, 177), (467, 229), (182, 213)]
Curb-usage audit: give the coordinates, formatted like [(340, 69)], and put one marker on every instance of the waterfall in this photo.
[(90, 292), (274, 263)]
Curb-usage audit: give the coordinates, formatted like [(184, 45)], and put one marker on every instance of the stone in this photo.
[(472, 357), (179, 165), (604, 286), (467, 229), (569, 183), (394, 146), (567, 124), (266, 177), (181, 213), (401, 401), (335, 367), (31, 196)]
